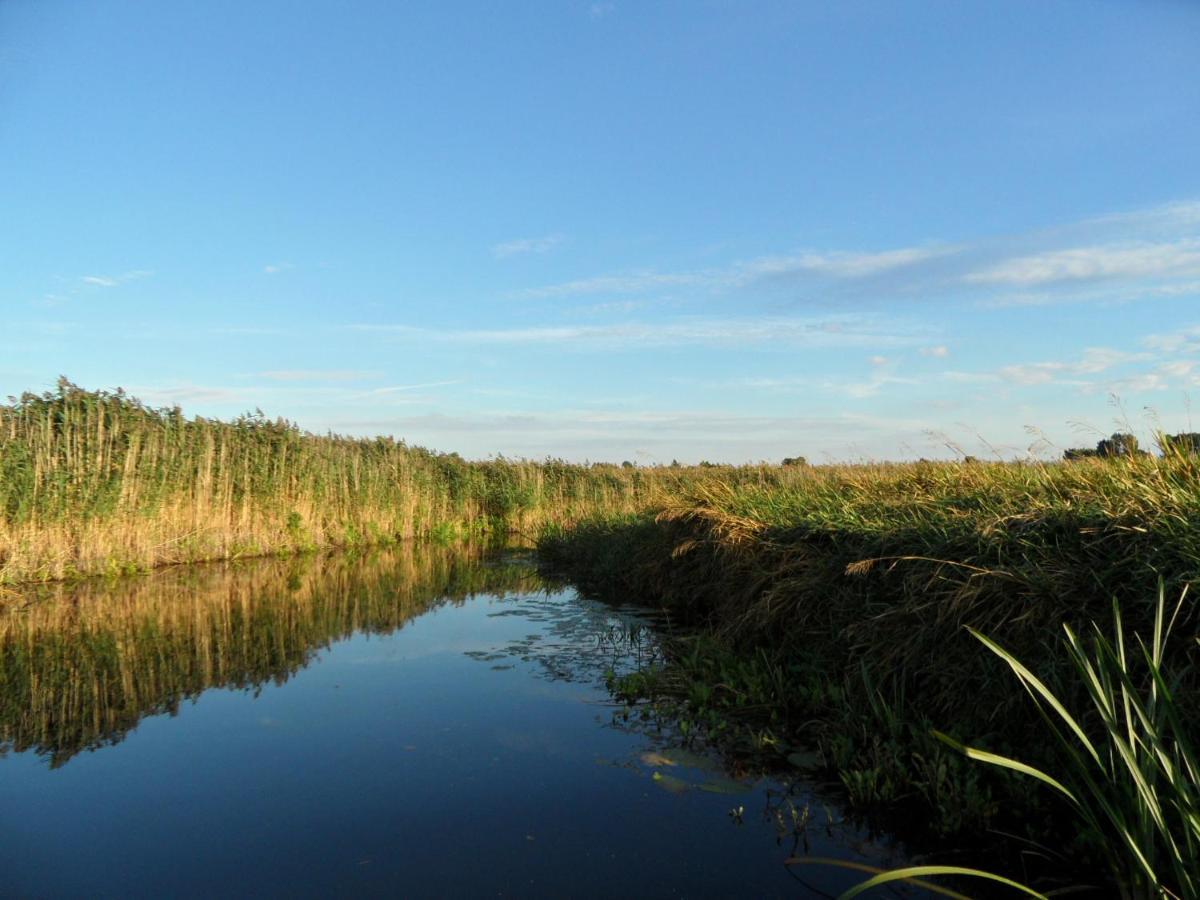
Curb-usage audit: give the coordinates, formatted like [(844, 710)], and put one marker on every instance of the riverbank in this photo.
[(832, 614)]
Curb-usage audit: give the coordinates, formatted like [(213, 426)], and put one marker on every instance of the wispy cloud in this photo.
[(1094, 360), (526, 245), (829, 266), (315, 375), (322, 395), (1141, 254), (110, 281), (856, 388), (941, 351), (276, 268), (633, 283), (661, 436), (838, 264), (1091, 263), (781, 332), (405, 388), (1185, 340)]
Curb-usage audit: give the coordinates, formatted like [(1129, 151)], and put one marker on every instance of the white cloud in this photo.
[(939, 352), (879, 360), (276, 268), (1110, 261), (1170, 216), (526, 245), (1094, 361), (1033, 373), (841, 264), (1179, 368), (1143, 381), (1186, 340)]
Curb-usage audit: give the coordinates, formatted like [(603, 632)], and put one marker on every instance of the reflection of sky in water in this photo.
[(469, 753)]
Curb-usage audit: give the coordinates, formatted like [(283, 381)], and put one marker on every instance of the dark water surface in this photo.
[(421, 722)]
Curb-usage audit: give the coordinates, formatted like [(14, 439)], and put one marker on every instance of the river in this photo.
[(420, 721)]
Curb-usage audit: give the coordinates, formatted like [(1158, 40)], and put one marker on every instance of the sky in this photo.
[(732, 231)]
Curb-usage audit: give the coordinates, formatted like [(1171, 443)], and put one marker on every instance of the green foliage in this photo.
[(1180, 444), (1120, 444), (1128, 767)]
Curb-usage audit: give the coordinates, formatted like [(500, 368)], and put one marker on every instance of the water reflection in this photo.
[(422, 721), (81, 665)]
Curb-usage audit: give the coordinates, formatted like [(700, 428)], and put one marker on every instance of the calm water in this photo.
[(422, 722)]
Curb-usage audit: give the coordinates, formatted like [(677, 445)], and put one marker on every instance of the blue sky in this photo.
[(645, 231)]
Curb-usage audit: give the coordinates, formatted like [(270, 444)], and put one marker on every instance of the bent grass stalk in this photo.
[(1136, 788)]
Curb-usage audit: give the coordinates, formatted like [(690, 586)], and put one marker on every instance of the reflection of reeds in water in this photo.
[(81, 666)]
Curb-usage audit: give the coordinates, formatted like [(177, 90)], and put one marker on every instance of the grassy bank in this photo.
[(830, 612), (93, 482)]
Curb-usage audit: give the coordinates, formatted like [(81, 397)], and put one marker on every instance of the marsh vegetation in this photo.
[(836, 611), (811, 618)]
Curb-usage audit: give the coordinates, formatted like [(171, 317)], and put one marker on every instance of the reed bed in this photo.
[(95, 482), (883, 566)]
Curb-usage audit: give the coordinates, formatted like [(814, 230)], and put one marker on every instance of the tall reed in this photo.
[(97, 482)]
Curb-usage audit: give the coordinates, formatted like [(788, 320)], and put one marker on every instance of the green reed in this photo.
[(1124, 761)]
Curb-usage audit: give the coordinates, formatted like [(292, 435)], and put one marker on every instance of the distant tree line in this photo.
[(1123, 444)]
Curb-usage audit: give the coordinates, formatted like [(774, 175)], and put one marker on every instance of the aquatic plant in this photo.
[(1127, 766)]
